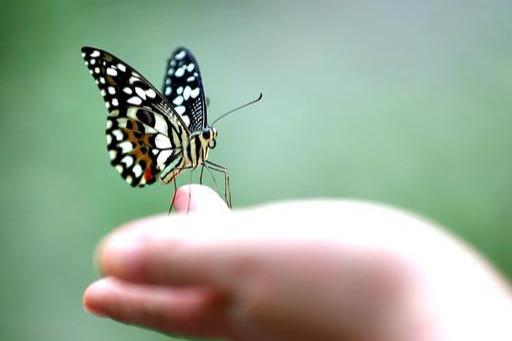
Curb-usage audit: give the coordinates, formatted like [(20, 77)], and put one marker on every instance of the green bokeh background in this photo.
[(407, 103)]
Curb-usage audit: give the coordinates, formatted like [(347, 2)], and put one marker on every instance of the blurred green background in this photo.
[(407, 103)]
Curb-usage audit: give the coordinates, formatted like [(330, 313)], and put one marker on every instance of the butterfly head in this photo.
[(209, 134)]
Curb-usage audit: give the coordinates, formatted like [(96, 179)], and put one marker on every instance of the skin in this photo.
[(303, 270)]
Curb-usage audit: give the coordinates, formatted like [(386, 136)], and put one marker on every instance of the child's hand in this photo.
[(304, 270)]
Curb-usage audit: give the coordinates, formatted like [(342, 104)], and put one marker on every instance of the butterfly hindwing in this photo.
[(183, 88), (138, 151), (144, 133)]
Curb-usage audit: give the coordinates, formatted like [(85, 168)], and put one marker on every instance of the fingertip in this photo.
[(198, 198), (94, 295), (120, 251), (198, 312)]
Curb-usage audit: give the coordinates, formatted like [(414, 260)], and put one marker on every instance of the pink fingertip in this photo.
[(202, 198), (93, 295)]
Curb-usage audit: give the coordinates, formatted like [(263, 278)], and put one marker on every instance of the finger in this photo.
[(197, 198), (149, 251), (212, 249), (193, 312), (197, 249)]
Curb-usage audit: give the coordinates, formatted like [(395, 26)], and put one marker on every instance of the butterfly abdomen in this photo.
[(196, 151)]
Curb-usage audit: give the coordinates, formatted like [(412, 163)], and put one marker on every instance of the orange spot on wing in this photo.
[(148, 175)]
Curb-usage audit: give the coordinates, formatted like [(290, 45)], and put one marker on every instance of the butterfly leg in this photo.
[(176, 173), (201, 175), (173, 195), (213, 178), (227, 190), (189, 190)]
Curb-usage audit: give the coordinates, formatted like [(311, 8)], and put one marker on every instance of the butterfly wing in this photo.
[(183, 88), (144, 133)]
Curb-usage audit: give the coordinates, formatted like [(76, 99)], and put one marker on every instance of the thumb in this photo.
[(198, 198)]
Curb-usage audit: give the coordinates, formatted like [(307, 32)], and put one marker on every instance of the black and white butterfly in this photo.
[(150, 135)]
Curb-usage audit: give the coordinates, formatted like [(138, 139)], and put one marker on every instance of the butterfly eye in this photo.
[(206, 134)]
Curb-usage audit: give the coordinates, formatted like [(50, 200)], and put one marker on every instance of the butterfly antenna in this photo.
[(238, 108)]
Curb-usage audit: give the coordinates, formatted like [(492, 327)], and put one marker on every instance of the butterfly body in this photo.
[(195, 153), (152, 135)]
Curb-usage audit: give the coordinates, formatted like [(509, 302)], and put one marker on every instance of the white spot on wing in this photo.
[(115, 103), (140, 92), (127, 90), (160, 124), (180, 55), (180, 90), (180, 109), (168, 90), (170, 72), (194, 93), (186, 92), (178, 100), (117, 134), (137, 170), (109, 139), (111, 72), (125, 146), (134, 100), (162, 157), (112, 154), (122, 122), (97, 69), (186, 120), (111, 90), (191, 67), (162, 142), (121, 67), (127, 160), (93, 61), (180, 72), (151, 93), (95, 53)]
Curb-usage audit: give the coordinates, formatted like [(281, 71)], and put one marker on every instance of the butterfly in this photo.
[(152, 135)]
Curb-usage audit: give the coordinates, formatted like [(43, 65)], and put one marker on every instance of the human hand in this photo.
[(304, 270)]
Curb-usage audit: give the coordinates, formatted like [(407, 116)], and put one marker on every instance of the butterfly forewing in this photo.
[(144, 133), (183, 88)]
